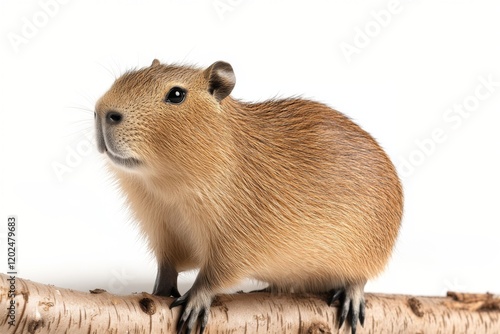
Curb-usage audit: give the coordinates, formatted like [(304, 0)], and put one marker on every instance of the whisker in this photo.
[(86, 110), (108, 70)]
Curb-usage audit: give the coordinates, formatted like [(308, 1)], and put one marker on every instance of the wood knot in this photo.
[(97, 291), (319, 329), (416, 306), (46, 305), (473, 301), (147, 306), (35, 325)]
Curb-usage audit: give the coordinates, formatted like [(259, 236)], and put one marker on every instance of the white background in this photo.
[(419, 59)]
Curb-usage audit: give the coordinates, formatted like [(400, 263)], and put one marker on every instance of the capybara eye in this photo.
[(176, 95)]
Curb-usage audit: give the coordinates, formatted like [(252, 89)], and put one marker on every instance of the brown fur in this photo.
[(289, 192)]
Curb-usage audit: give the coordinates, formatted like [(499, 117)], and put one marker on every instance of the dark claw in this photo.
[(189, 329), (335, 295), (345, 311), (350, 309), (362, 313), (204, 320), (354, 319), (179, 301), (180, 326), (189, 316)]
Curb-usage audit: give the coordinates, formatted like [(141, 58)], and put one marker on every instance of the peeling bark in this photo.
[(47, 309)]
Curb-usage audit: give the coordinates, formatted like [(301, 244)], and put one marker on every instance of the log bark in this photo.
[(47, 309)]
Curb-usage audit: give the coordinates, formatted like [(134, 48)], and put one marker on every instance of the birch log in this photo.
[(43, 308)]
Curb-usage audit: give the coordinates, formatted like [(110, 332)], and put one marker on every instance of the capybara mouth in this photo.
[(126, 162)]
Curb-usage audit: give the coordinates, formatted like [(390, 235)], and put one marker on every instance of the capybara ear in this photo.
[(155, 62), (221, 79)]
